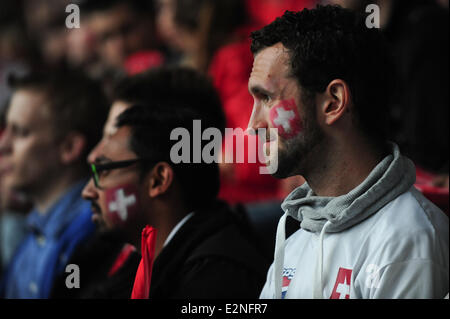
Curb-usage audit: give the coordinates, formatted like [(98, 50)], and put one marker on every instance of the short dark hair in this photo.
[(76, 102), (168, 98), (328, 43)]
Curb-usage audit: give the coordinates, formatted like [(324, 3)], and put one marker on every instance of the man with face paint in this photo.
[(193, 246), (321, 78)]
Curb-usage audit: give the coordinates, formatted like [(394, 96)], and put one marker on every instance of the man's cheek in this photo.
[(122, 204), (284, 116)]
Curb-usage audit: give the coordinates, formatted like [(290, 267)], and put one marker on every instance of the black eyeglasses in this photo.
[(97, 169)]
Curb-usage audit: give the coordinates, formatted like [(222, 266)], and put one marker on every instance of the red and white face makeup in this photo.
[(121, 204), (285, 117)]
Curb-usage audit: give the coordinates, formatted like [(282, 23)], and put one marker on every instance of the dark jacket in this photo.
[(95, 260), (213, 255)]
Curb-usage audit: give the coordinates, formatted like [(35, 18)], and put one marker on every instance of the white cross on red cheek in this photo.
[(121, 204), (285, 118)]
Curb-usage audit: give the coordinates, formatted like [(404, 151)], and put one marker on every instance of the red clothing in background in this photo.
[(265, 11), (142, 61), (230, 70), (437, 195)]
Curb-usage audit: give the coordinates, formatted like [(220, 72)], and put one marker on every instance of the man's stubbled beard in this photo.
[(298, 153)]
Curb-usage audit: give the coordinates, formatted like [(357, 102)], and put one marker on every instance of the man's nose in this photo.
[(257, 121), (90, 191), (94, 153), (5, 143)]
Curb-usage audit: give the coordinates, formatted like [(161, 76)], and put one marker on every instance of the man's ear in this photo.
[(336, 101), (160, 179), (72, 147)]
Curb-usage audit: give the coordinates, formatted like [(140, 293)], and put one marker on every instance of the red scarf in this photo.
[(141, 288)]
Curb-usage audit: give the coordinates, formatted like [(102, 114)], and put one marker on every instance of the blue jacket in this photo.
[(49, 243)]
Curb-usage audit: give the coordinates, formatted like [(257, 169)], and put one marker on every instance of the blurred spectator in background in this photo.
[(45, 27), (13, 209), (50, 128), (122, 28), (13, 59), (15, 47), (213, 37), (111, 33), (81, 49), (202, 248)]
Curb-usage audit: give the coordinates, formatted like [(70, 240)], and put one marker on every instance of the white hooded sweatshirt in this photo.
[(384, 239)]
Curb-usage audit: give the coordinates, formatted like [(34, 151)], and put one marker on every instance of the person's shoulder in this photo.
[(75, 203), (83, 211), (224, 262), (81, 224), (408, 227), (414, 211), (232, 242)]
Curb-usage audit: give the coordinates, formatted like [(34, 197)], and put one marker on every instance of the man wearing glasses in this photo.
[(201, 248)]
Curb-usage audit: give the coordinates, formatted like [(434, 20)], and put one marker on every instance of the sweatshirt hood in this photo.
[(393, 176)]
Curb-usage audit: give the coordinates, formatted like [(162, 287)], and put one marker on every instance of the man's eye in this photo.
[(20, 132), (265, 98), (103, 173)]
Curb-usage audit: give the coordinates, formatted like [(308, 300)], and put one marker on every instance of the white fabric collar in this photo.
[(177, 227)]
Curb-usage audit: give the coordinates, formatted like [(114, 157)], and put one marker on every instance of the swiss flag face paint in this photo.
[(122, 204), (286, 119)]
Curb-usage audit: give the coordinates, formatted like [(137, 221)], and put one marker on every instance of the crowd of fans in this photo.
[(112, 90)]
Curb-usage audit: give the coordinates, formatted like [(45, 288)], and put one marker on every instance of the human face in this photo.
[(175, 36), (165, 21), (116, 205), (110, 126), (80, 44), (117, 34), (109, 130), (30, 152), (278, 104)]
